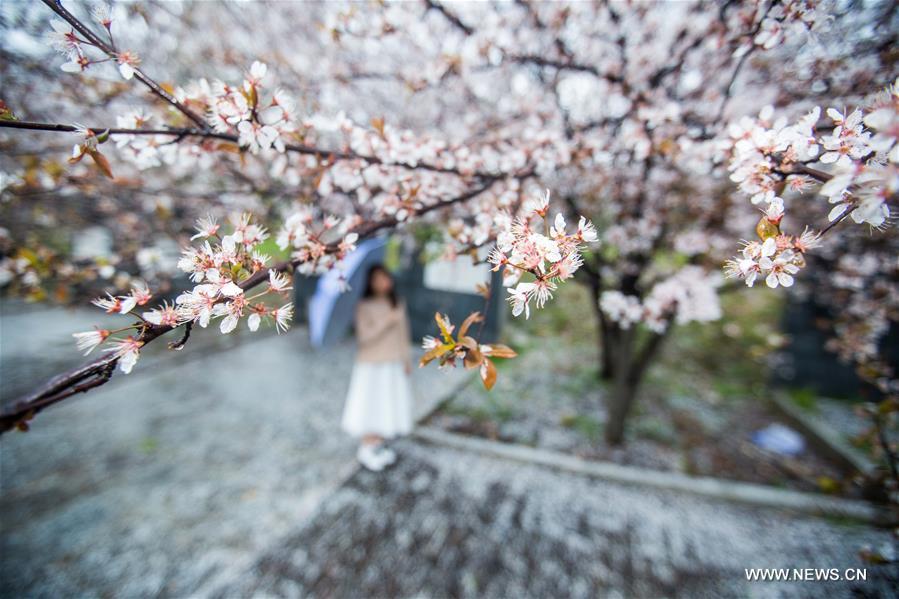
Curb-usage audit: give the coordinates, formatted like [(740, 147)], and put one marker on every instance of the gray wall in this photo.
[(424, 302)]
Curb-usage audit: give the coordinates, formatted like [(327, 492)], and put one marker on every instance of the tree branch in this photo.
[(646, 354), (542, 61), (182, 133), (811, 172), (204, 129), (56, 6), (729, 88), (837, 221), (449, 16), (99, 371)]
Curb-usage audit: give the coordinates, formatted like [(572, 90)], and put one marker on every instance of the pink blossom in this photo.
[(127, 351), (89, 340)]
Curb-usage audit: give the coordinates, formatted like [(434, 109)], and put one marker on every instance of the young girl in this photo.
[(379, 402)]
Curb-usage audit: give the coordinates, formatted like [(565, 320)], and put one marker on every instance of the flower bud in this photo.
[(765, 228)]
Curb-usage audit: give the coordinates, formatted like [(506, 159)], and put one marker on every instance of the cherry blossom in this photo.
[(64, 39), (128, 62), (863, 182), (127, 350), (278, 282), (282, 317), (76, 64), (206, 227), (166, 315), (89, 340), (115, 305), (780, 269), (520, 298)]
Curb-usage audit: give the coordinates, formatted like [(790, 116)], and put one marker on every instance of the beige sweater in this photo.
[(382, 331)]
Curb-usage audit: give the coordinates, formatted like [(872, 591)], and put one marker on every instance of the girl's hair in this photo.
[(369, 292)]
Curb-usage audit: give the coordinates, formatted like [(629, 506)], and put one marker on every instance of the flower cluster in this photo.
[(67, 42), (690, 295), (867, 173), (771, 157), (259, 118), (777, 258), (764, 157), (126, 349), (317, 247), (551, 256), (626, 310), (762, 147), (221, 267), (780, 18), (144, 151), (447, 349)]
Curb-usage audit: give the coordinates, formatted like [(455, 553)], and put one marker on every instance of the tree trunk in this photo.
[(630, 366), (624, 388), (620, 401), (607, 342), (622, 364), (604, 337)]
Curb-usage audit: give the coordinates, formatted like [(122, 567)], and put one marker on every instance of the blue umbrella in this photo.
[(331, 310)]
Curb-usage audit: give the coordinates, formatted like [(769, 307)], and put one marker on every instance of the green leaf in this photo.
[(435, 353), (444, 328)]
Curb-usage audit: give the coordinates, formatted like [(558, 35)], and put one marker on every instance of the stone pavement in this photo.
[(444, 522), (173, 479)]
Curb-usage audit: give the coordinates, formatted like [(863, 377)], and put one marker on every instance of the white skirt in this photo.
[(379, 401)]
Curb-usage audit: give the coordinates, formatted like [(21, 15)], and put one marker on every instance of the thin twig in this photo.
[(449, 16), (840, 219), (179, 345)]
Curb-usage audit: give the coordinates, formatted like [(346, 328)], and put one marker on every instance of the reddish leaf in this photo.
[(101, 162), (499, 350), (765, 228), (473, 355), (228, 147), (488, 374), (378, 124), (76, 159), (472, 318)]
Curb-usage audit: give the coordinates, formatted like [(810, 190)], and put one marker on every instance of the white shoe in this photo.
[(387, 454), (369, 457)]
